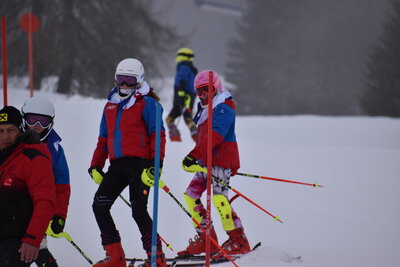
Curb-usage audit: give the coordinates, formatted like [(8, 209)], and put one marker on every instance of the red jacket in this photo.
[(27, 192), (128, 132)]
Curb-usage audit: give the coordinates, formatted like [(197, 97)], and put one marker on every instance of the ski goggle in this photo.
[(202, 91), (129, 81), (33, 119)]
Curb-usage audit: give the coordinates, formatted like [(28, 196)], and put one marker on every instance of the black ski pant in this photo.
[(9, 255), (178, 106), (45, 258), (122, 173)]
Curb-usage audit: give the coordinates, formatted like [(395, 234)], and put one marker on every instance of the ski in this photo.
[(292, 259), (180, 260), (190, 260), (196, 260), (198, 264), (199, 260)]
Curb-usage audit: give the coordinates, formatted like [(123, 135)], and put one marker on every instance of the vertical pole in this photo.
[(30, 63), (3, 26), (209, 164), (156, 182), (30, 53)]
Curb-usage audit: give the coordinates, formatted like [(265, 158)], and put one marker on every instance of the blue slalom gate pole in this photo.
[(156, 182)]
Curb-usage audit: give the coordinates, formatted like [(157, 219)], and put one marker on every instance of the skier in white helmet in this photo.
[(127, 139), (38, 115)]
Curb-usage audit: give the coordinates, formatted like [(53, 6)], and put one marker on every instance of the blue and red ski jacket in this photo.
[(225, 148), (61, 173), (128, 131)]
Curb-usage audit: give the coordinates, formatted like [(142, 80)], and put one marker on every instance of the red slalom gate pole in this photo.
[(30, 53), (210, 95), (4, 51), (30, 24)]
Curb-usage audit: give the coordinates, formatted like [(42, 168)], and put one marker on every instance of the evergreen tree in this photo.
[(301, 57), (381, 95), (250, 62), (81, 42)]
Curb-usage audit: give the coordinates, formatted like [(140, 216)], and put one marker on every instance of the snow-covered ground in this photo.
[(352, 221)]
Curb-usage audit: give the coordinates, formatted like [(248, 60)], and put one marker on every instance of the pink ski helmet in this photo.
[(201, 83)]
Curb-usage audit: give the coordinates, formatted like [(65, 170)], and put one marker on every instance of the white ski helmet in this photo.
[(39, 105), (131, 67)]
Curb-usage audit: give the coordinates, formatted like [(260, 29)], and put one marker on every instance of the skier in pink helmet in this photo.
[(225, 163)]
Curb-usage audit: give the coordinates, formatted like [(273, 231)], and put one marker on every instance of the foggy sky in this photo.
[(345, 28)]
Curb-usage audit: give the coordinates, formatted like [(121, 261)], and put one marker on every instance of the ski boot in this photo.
[(115, 256), (198, 245), (160, 260), (174, 133), (236, 244)]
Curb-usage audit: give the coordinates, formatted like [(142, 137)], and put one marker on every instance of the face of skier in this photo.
[(127, 84), (8, 135), (202, 93), (37, 123)]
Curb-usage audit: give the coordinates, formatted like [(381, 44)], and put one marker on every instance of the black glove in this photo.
[(150, 168), (57, 224), (151, 172), (188, 161), (97, 174)]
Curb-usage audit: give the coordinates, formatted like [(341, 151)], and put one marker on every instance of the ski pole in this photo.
[(168, 245), (277, 179), (198, 168), (125, 200), (150, 182), (69, 239), (276, 218)]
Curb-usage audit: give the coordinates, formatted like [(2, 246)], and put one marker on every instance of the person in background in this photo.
[(38, 115), (225, 163), (184, 94), (27, 191), (128, 139)]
